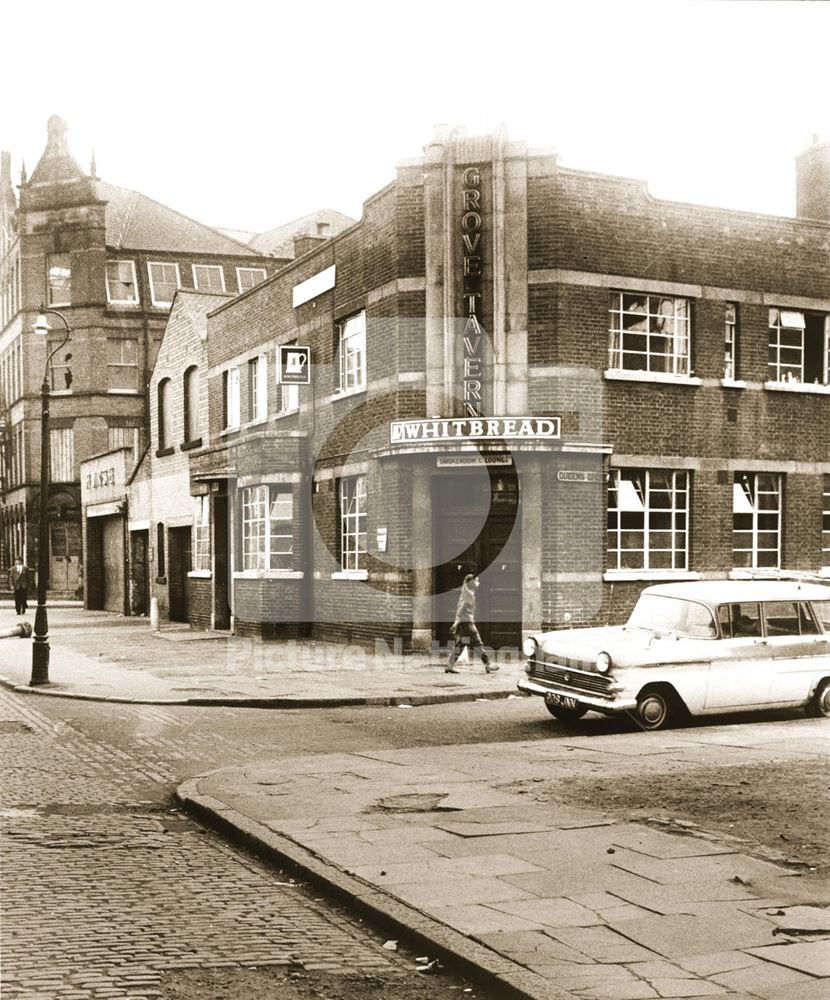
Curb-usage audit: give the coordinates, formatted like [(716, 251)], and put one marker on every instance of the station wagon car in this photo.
[(697, 648)]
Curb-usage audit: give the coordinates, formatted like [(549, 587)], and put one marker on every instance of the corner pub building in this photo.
[(540, 374)]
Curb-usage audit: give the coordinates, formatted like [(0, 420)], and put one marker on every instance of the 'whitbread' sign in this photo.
[(475, 429)]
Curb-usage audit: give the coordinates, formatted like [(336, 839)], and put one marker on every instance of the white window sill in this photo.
[(162, 305), (803, 387), (733, 383), (255, 423), (753, 574), (200, 574), (620, 575), (346, 393), (285, 413), (351, 574), (624, 375), (229, 430), (122, 392), (269, 574), (118, 304)]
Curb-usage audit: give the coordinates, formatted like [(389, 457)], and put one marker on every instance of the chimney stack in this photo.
[(812, 181)]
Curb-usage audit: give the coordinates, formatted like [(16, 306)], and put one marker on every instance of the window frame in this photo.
[(678, 364), (344, 354), (774, 368), (201, 536), (249, 270), (825, 520), (731, 355), (164, 415), (232, 408), (208, 267), (131, 390), (257, 403), (680, 486), (290, 393), (121, 302), (162, 303), (752, 501), (190, 399), (50, 300), (350, 521), (62, 444), (258, 545)]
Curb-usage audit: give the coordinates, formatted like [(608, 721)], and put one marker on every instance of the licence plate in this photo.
[(561, 700)]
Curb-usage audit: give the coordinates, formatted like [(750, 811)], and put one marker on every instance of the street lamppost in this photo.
[(40, 643)]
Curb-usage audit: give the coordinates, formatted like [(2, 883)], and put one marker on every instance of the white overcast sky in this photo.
[(248, 114)]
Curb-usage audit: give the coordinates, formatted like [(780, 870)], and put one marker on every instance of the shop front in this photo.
[(104, 506)]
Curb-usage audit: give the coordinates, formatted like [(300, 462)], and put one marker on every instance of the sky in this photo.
[(250, 114)]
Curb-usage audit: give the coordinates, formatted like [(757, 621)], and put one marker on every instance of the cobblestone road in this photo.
[(105, 888)]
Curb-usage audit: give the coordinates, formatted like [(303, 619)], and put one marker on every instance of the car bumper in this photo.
[(611, 703)]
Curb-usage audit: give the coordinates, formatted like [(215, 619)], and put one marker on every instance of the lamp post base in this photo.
[(40, 648)]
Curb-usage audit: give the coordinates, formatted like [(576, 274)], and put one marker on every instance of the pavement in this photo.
[(103, 656), (450, 848)]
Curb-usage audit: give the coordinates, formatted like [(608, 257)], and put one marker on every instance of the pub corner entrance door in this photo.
[(477, 529)]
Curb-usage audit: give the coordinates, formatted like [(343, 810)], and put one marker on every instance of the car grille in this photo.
[(567, 677)]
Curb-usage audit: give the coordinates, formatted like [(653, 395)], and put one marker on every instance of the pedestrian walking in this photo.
[(19, 583), (464, 627)]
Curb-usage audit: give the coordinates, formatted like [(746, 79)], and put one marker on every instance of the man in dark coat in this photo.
[(464, 627), (19, 583)]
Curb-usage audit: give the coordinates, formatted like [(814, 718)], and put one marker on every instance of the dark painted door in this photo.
[(179, 565), (139, 570), (477, 529), (221, 562)]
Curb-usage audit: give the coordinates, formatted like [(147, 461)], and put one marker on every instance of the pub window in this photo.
[(267, 528), (122, 287), (164, 281), (649, 333), (59, 280), (257, 388), (352, 522), (209, 277), (799, 347), (648, 512), (201, 534), (230, 398), (756, 520), (249, 277), (122, 365), (730, 360), (351, 344)]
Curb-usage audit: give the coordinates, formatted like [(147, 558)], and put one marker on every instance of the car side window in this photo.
[(806, 620), (781, 618), (745, 620), (822, 612)]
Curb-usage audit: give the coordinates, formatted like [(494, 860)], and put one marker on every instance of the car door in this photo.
[(740, 672), (798, 648)]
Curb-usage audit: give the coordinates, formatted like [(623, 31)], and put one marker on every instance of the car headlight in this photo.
[(529, 646), (603, 663)]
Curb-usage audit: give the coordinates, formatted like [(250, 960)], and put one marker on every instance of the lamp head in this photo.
[(41, 326)]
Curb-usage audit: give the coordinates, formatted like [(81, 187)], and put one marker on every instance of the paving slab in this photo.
[(675, 936), (811, 957)]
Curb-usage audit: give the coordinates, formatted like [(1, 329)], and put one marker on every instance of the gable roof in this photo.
[(136, 222), (279, 242)]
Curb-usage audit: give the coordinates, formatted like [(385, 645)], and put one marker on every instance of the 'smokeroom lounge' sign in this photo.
[(475, 429)]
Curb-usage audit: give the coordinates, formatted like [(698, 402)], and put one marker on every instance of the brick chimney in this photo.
[(306, 242), (812, 181)]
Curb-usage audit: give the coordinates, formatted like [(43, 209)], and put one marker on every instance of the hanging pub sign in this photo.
[(294, 364), (473, 336)]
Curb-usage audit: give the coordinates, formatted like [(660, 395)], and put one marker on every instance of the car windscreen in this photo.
[(673, 614)]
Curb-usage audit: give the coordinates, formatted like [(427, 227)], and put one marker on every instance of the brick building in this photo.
[(541, 374), (110, 260)]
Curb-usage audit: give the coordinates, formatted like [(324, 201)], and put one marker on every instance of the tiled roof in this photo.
[(279, 242), (136, 222)]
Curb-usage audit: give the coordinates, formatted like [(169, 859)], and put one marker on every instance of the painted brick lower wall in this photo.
[(199, 601), (268, 609)]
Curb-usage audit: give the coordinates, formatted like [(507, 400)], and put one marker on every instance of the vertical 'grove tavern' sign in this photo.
[(473, 337)]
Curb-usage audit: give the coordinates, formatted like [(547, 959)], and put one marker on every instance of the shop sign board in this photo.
[(104, 477), (475, 429), (294, 366)]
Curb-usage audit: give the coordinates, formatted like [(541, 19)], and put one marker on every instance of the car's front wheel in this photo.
[(566, 714), (656, 709), (819, 704)]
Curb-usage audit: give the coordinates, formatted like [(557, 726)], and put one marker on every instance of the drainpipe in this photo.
[(307, 602)]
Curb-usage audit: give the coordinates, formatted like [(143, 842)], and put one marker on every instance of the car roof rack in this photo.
[(797, 575)]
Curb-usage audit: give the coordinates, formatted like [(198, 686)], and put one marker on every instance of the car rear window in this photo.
[(789, 618), (822, 610)]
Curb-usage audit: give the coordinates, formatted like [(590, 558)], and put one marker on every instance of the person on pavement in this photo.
[(19, 583), (464, 627)]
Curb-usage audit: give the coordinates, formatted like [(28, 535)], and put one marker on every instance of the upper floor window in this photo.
[(257, 388), (190, 391), (209, 277), (756, 520), (730, 356), (649, 333), (123, 437), (352, 522), (648, 513), (164, 281), (288, 396), (164, 416), (248, 277), (60, 365), (825, 521), (59, 280), (799, 347), (230, 398), (122, 287), (122, 364), (352, 352), (267, 528), (62, 454), (200, 540)]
